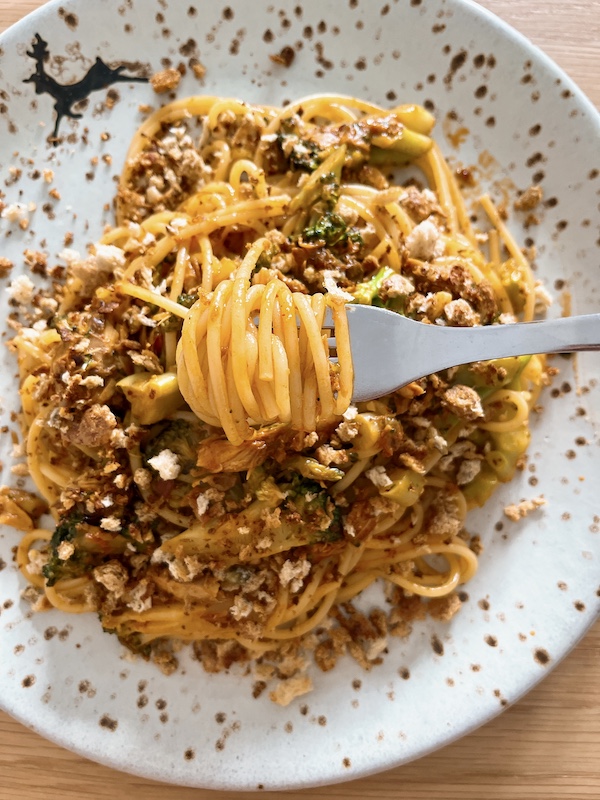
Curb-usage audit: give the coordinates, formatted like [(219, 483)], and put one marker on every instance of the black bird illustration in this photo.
[(99, 76)]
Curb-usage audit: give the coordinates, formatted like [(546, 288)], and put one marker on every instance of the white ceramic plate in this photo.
[(537, 590)]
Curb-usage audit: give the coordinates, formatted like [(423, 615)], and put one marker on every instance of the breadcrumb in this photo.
[(463, 401), (293, 573), (332, 288), (65, 550), (424, 241), (166, 464), (379, 477), (519, 510), (166, 80), (530, 199), (288, 690), (21, 290), (110, 524), (5, 266), (199, 70)]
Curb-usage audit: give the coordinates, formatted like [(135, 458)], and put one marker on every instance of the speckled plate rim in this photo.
[(586, 621)]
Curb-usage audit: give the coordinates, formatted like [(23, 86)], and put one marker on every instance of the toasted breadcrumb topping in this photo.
[(166, 464), (463, 401), (110, 524), (530, 199), (425, 241), (468, 471), (518, 511), (290, 689), (113, 576), (21, 290), (293, 573), (379, 477), (65, 550), (166, 80), (5, 266)]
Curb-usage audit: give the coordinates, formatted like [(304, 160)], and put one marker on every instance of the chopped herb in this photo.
[(303, 155), (262, 262), (331, 230), (187, 300), (335, 531), (330, 193)]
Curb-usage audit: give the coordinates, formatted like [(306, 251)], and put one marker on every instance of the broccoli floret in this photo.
[(316, 508), (305, 487), (262, 262), (312, 469), (91, 542), (180, 437), (367, 293), (169, 324), (66, 531), (236, 576)]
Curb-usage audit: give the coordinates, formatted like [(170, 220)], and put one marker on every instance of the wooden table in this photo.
[(547, 746)]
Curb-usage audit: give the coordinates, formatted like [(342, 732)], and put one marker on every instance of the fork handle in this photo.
[(465, 345)]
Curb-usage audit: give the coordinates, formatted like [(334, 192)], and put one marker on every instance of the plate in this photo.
[(502, 106)]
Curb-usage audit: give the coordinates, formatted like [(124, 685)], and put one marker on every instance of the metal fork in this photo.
[(390, 351)]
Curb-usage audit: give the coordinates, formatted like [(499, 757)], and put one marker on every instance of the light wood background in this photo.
[(547, 746)]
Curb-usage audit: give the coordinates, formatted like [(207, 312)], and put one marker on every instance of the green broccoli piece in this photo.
[(152, 397), (326, 174), (317, 509), (92, 545), (306, 488), (66, 531), (180, 437), (399, 150), (312, 469), (236, 576), (367, 292), (335, 530)]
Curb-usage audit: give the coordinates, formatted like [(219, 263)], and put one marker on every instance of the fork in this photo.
[(390, 351)]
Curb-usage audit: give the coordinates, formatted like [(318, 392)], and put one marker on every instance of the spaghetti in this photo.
[(208, 477), (232, 371)]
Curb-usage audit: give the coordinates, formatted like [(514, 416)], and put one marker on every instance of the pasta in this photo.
[(209, 478), (232, 371)]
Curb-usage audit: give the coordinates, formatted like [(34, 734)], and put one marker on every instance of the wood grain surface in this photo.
[(546, 746)]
